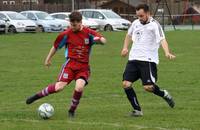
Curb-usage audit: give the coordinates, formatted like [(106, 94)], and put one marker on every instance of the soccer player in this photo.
[(146, 35), (78, 41)]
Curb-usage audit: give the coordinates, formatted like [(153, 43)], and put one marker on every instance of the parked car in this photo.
[(107, 19), (65, 16), (2, 26), (17, 22), (46, 22)]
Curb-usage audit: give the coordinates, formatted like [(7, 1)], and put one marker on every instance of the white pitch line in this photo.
[(83, 123), (121, 126), (95, 123), (160, 128), (118, 125), (108, 124)]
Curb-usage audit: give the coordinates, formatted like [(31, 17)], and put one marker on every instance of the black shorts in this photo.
[(146, 71)]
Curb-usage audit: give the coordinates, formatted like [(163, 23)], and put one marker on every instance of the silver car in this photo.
[(65, 16), (107, 19), (17, 22), (46, 22)]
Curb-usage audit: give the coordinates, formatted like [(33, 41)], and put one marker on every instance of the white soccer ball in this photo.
[(45, 111)]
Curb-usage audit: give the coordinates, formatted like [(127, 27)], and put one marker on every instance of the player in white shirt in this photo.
[(146, 35)]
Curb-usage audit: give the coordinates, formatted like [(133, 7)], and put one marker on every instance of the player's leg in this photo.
[(132, 97), (65, 77), (162, 93), (50, 89), (149, 78), (81, 81), (78, 91), (130, 75)]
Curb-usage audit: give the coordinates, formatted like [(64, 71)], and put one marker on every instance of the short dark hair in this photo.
[(145, 7), (75, 16)]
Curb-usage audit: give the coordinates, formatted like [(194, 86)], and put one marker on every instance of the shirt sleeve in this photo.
[(61, 40), (94, 33), (159, 33), (131, 29), (94, 37)]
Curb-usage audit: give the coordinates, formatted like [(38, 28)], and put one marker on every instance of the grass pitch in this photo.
[(104, 105)]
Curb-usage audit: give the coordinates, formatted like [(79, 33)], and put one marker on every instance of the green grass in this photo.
[(104, 105)]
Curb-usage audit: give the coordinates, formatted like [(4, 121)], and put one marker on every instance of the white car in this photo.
[(46, 22), (107, 19), (65, 16), (17, 22)]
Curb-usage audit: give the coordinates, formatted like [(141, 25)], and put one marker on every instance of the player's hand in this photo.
[(99, 40), (170, 56), (124, 52), (47, 63)]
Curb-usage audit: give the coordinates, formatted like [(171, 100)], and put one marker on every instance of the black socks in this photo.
[(131, 95), (157, 91)]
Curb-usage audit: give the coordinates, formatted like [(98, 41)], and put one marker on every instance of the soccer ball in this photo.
[(45, 111)]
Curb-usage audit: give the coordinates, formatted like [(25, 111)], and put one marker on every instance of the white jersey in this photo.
[(146, 40)]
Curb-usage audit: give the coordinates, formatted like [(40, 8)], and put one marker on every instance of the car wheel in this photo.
[(2, 32), (40, 29), (12, 29), (108, 28)]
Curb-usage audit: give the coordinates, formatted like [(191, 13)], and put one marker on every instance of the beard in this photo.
[(143, 22)]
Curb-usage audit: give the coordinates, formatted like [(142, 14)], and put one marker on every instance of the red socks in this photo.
[(48, 90), (51, 89), (75, 100)]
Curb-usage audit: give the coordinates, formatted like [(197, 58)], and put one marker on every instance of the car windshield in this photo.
[(111, 14), (16, 16), (83, 17), (44, 16)]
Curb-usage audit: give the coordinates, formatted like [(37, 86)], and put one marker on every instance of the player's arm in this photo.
[(52, 52), (58, 44), (165, 47), (160, 38), (98, 38), (103, 40), (127, 41)]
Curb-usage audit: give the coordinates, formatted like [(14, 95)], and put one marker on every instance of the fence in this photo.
[(43, 7), (48, 7), (183, 21)]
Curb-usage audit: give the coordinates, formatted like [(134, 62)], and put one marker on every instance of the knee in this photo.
[(79, 88), (60, 86), (80, 84), (148, 88), (126, 84)]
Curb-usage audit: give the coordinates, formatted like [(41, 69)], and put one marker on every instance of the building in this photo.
[(44, 5), (125, 8), (18, 5), (122, 7)]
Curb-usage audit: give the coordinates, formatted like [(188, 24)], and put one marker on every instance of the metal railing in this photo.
[(181, 21)]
